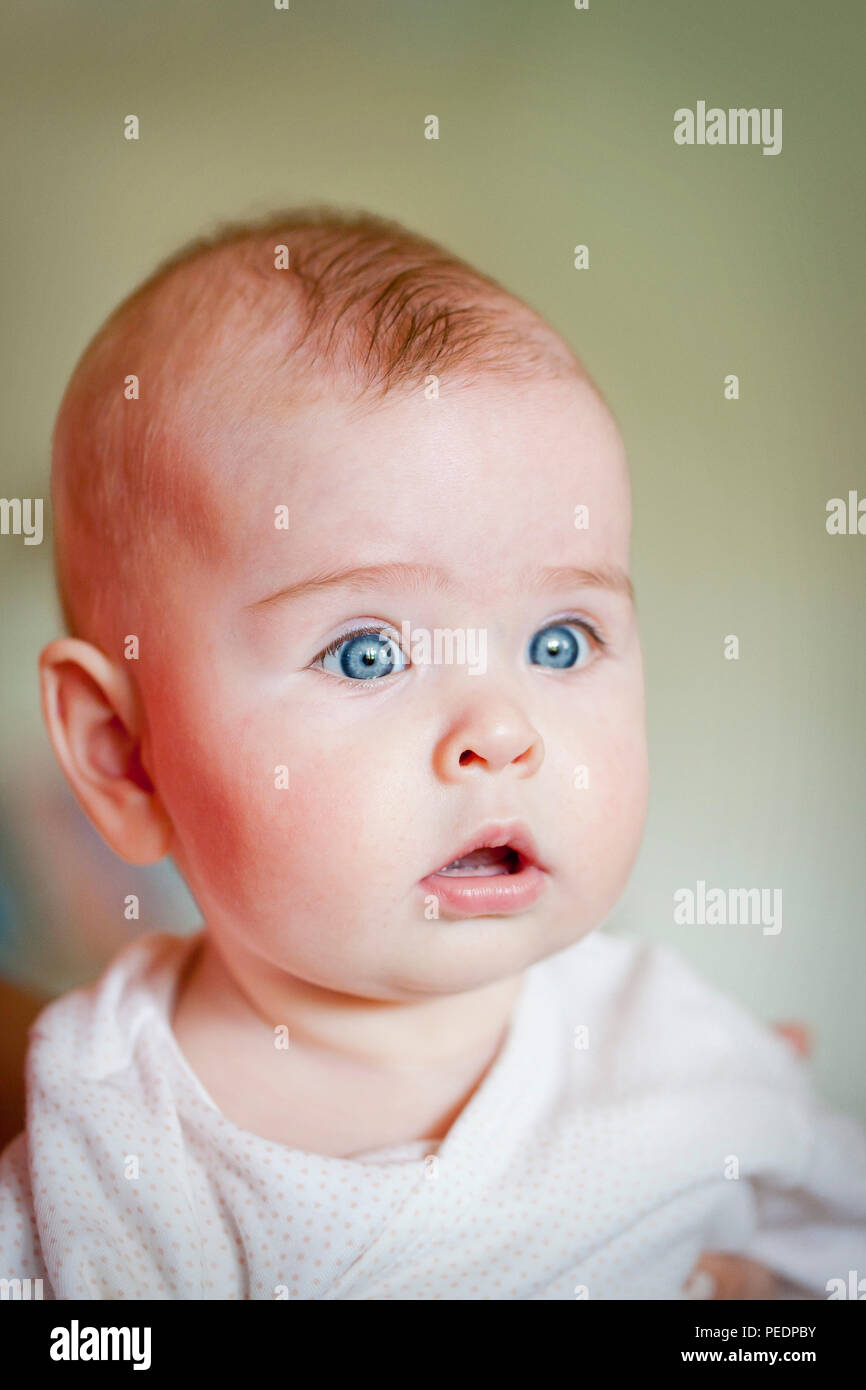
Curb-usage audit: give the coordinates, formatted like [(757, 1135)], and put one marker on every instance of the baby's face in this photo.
[(394, 760)]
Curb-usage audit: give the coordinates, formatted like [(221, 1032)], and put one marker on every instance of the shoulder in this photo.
[(90, 1032), (97, 1092), (653, 1017), (20, 1251)]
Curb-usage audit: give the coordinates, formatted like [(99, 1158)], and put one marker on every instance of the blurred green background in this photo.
[(556, 128)]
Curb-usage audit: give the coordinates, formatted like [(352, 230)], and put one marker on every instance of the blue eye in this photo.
[(364, 655), (559, 646)]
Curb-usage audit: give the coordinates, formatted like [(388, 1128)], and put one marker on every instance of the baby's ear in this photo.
[(92, 714)]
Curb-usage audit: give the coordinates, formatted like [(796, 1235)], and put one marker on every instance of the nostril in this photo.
[(466, 756)]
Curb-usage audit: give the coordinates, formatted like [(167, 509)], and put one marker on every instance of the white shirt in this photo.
[(598, 1171)]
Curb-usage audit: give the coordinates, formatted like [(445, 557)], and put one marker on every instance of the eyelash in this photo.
[(333, 647)]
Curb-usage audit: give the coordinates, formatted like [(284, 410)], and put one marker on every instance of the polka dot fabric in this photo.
[(634, 1119)]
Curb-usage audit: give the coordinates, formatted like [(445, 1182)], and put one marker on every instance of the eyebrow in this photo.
[(417, 577)]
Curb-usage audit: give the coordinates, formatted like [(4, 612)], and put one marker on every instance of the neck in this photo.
[(438, 1034)]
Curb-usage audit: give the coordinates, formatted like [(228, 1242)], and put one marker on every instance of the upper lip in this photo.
[(491, 835)]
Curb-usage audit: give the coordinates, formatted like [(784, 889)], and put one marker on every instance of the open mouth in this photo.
[(490, 880), (495, 873), (484, 863)]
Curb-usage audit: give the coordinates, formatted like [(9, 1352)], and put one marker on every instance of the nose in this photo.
[(489, 738)]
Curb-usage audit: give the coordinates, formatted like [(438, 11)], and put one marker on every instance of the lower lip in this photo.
[(499, 893)]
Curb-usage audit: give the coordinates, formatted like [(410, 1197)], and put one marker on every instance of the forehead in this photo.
[(484, 478)]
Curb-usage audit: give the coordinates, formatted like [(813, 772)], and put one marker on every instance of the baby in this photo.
[(342, 542)]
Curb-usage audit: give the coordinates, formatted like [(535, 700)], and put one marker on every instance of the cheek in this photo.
[(350, 803), (612, 813), (261, 810), (216, 790)]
